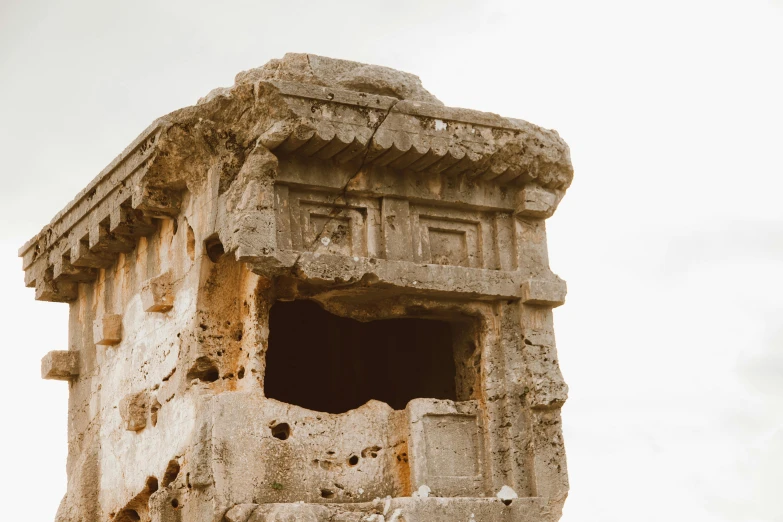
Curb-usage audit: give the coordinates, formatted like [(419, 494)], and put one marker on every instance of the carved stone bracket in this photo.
[(60, 365)]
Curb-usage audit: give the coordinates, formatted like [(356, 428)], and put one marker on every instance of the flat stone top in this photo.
[(308, 106), (337, 74)]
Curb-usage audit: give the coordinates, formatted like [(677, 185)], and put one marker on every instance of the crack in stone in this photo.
[(343, 192)]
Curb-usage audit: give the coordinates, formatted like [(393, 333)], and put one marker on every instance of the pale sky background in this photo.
[(670, 238)]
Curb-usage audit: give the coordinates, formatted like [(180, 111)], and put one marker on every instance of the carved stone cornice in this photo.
[(290, 118), (416, 136)]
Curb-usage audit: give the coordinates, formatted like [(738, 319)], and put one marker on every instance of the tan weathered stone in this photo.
[(134, 410), (540, 292), (156, 294), (358, 306), (60, 365), (107, 329), (240, 512), (535, 201)]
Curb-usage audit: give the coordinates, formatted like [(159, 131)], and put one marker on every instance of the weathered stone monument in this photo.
[(318, 295)]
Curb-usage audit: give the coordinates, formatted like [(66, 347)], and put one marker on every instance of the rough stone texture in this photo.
[(60, 365), (107, 329), (134, 410), (156, 295), (415, 226)]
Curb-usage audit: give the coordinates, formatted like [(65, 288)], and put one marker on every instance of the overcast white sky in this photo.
[(671, 236)]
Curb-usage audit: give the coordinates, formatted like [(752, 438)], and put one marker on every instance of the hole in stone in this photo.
[(214, 248), (204, 369), (327, 493), (241, 372), (167, 377), (174, 503), (152, 484), (507, 502), (353, 460), (191, 243), (333, 364), (127, 515), (171, 473), (372, 451), (154, 407), (281, 431)]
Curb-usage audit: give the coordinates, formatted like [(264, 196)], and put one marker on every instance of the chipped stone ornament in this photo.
[(506, 495), (316, 288)]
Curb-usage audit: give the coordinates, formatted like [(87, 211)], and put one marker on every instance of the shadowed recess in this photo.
[(333, 364)]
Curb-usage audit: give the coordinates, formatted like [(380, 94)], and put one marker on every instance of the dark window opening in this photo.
[(324, 362)]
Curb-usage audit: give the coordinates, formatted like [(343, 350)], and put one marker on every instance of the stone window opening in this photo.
[(333, 364)]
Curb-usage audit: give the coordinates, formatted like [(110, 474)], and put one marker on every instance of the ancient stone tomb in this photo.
[(317, 295)]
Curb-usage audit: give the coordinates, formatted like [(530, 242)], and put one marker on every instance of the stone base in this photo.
[(403, 509)]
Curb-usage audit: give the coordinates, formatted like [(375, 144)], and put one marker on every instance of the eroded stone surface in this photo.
[(134, 410), (156, 295), (107, 329), (60, 365), (408, 241)]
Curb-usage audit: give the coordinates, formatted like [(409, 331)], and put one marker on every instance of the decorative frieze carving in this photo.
[(410, 137)]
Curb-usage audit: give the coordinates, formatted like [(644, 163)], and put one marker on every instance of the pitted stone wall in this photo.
[(340, 183)]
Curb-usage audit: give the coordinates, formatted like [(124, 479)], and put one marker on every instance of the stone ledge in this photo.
[(536, 202), (408, 509), (540, 292), (60, 365), (433, 279)]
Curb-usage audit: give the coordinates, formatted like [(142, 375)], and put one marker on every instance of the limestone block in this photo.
[(60, 365), (130, 222), (107, 330), (240, 512), (539, 292), (153, 202), (400, 509), (535, 201), (289, 513), (446, 447), (63, 270), (46, 289), (133, 410), (80, 255), (546, 388), (396, 224), (103, 242), (157, 294), (164, 506)]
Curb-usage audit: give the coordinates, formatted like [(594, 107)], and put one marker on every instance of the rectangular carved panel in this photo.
[(446, 448), (311, 220), (397, 229), (450, 236), (451, 445)]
